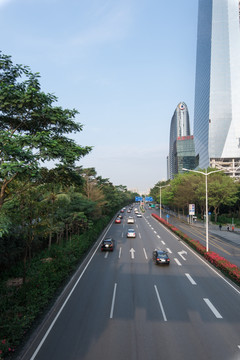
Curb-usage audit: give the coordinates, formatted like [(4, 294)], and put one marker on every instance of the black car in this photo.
[(107, 244), (160, 257)]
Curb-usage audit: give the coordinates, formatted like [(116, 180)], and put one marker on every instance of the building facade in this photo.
[(179, 127), (217, 85), (185, 153)]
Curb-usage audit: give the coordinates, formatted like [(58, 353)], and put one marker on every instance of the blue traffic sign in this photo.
[(138, 198), (148, 198)]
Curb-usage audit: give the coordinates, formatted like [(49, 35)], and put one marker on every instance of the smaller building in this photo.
[(184, 154)]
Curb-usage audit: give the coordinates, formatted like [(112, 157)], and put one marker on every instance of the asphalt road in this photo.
[(225, 243), (124, 307)]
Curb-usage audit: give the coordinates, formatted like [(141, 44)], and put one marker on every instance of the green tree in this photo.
[(32, 130), (222, 190)]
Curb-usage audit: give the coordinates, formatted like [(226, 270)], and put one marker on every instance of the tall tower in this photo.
[(179, 127), (217, 85)]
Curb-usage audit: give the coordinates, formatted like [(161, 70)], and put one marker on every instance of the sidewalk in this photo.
[(230, 235)]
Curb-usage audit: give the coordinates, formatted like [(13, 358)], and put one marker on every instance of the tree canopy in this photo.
[(189, 188), (32, 129)]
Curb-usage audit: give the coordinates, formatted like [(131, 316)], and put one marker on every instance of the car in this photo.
[(131, 233), (139, 215), (129, 211), (118, 220), (120, 216), (160, 257), (130, 220), (122, 211), (107, 244)]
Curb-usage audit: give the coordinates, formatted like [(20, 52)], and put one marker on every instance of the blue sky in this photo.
[(123, 64)]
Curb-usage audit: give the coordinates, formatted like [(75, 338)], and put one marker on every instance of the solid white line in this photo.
[(170, 252), (160, 303), (63, 305), (106, 255), (191, 279), (163, 242), (177, 261), (113, 300), (145, 253), (214, 310), (120, 252)]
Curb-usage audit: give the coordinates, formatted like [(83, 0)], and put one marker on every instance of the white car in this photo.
[(131, 233), (130, 220), (139, 215)]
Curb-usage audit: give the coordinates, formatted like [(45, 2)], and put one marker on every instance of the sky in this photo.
[(123, 64)]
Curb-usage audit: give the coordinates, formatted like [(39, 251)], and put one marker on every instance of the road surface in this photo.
[(124, 307)]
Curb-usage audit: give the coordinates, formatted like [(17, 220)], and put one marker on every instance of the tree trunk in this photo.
[(25, 265), (3, 189), (216, 212), (50, 240)]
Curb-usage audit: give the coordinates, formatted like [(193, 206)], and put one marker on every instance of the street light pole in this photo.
[(160, 197), (206, 186)]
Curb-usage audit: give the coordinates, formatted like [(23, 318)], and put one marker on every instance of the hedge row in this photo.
[(230, 270)]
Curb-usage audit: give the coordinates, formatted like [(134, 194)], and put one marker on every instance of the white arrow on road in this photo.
[(132, 251), (181, 254)]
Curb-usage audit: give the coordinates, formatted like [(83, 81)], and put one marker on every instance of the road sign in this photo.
[(191, 209), (148, 198), (138, 198)]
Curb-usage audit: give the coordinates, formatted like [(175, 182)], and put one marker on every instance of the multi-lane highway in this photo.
[(124, 307)]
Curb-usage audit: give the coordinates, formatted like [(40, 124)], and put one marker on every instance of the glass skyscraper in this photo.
[(185, 153), (179, 128), (217, 85)]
